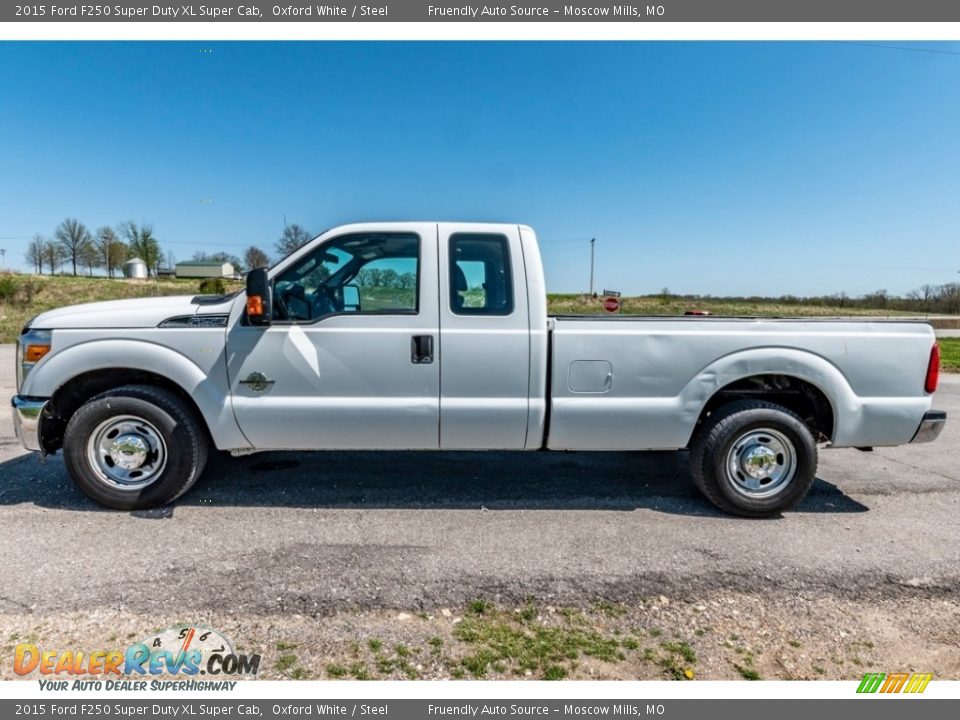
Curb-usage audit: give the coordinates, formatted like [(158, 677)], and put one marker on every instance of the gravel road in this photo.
[(299, 535)]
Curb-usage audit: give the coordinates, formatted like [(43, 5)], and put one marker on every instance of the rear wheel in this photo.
[(135, 447), (753, 458)]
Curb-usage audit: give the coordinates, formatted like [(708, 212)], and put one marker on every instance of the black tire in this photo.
[(173, 421), (714, 455)]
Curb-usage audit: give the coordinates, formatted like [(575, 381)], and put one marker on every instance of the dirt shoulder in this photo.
[(724, 635)]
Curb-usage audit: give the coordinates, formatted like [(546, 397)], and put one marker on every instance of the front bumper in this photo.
[(930, 427), (27, 416)]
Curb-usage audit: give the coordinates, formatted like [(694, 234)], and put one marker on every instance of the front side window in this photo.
[(372, 273), (480, 280)]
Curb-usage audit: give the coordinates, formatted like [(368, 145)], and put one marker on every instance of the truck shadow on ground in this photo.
[(493, 481)]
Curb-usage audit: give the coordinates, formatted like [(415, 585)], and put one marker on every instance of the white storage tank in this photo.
[(135, 268)]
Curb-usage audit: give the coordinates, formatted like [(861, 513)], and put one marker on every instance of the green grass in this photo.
[(285, 663), (611, 610), (950, 354), (480, 606), (682, 649), (747, 673), (502, 642), (677, 305), (555, 672), (359, 671)]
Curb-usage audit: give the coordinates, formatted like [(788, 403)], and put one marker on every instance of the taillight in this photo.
[(933, 370)]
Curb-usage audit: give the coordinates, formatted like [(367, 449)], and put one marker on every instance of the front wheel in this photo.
[(135, 447), (753, 458)]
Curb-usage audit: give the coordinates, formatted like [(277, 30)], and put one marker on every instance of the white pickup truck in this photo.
[(435, 336)]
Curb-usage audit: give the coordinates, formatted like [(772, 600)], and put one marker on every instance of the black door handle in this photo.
[(421, 349)]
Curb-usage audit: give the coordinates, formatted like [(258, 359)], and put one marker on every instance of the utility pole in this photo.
[(3, 258), (593, 242)]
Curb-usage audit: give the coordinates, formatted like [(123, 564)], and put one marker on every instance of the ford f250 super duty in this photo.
[(435, 336)]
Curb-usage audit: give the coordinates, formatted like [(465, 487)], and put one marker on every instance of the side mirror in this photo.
[(259, 297), (351, 297)]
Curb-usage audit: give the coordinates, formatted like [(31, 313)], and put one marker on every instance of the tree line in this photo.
[(936, 299), (108, 248)]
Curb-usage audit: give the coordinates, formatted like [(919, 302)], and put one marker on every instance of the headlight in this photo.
[(32, 346)]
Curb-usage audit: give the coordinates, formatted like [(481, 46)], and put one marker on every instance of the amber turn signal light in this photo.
[(33, 353), (254, 305)]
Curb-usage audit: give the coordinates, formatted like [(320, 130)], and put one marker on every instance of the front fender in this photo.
[(206, 383)]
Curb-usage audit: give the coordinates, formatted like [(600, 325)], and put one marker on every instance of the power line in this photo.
[(565, 241), (860, 266), (881, 46)]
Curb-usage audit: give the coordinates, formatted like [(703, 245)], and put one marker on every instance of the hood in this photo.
[(132, 313)]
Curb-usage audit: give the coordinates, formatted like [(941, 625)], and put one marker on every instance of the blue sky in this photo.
[(723, 168)]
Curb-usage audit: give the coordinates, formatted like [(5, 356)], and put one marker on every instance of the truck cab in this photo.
[(416, 337)]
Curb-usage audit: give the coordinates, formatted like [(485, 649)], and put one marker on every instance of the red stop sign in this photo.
[(611, 304)]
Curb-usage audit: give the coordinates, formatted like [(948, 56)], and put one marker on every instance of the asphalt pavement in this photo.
[(314, 533)]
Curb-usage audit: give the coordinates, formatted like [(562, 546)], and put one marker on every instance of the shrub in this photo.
[(212, 286), (8, 287), (30, 288)]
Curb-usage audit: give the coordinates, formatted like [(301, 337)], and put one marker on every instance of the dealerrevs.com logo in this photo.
[(186, 650)]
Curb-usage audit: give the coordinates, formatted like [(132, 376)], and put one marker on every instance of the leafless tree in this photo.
[(294, 237), (34, 254), (142, 243), (89, 256), (53, 254), (72, 236), (255, 258), (111, 248)]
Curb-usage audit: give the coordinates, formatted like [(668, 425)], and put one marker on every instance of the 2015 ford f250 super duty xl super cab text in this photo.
[(432, 336)]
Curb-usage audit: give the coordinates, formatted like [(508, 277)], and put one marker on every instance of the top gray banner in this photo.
[(894, 11)]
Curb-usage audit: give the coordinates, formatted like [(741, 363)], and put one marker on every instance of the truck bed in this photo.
[(642, 381)]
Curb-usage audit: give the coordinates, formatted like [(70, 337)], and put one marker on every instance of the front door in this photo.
[(351, 358)]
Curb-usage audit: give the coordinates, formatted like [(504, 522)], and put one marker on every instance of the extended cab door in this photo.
[(351, 358), (485, 335)]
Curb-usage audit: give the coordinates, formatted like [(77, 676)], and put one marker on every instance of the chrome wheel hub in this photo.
[(129, 451), (126, 452), (761, 463)]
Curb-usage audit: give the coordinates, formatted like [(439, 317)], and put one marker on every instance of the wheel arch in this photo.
[(71, 376), (803, 382), (801, 396), (70, 396)]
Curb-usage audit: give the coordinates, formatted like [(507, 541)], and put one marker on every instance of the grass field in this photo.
[(32, 295), (950, 354), (677, 305)]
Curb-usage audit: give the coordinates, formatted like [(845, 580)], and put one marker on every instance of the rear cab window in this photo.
[(480, 279)]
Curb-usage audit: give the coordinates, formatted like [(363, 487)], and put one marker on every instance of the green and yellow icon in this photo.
[(894, 682)]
